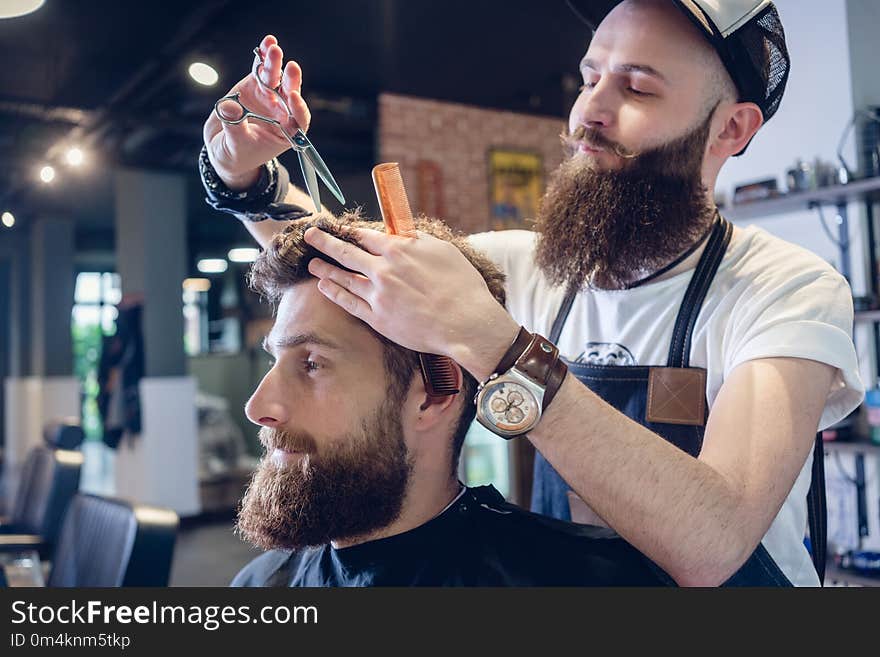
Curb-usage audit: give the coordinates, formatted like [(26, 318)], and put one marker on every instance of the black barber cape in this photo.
[(478, 540)]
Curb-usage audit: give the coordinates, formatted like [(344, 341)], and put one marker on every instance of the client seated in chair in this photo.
[(358, 485)]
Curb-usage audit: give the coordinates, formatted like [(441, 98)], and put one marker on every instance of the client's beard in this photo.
[(610, 227), (347, 491)]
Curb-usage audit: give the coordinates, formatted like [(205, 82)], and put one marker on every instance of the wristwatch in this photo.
[(511, 401)]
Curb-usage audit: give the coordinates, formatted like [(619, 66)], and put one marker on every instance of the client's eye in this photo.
[(310, 365)]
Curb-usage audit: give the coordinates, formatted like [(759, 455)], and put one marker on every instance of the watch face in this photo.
[(509, 406)]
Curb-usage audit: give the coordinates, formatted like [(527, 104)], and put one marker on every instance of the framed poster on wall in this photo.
[(516, 183)]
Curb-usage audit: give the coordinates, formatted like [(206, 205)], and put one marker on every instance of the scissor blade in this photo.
[(324, 172), (308, 172)]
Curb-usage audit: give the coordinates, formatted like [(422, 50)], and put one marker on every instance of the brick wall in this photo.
[(443, 150)]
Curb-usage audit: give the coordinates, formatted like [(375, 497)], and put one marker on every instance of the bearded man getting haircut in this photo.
[(730, 347), (358, 486)]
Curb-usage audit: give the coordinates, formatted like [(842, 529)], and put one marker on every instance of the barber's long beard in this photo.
[(350, 491), (608, 228)]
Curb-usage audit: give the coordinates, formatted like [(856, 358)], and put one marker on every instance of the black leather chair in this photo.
[(64, 433), (110, 543), (49, 480), (60, 433)]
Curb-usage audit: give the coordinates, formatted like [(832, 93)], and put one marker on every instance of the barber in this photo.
[(699, 359)]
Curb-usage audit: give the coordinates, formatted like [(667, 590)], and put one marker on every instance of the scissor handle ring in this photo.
[(232, 98)]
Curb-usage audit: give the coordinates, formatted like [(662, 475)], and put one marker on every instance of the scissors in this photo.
[(231, 111)]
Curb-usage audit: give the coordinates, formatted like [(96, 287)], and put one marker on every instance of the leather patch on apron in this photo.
[(677, 395), (581, 513)]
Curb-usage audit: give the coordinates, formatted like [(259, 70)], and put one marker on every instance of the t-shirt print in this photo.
[(606, 353)]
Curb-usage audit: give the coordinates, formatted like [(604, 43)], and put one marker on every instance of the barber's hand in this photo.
[(421, 293), (238, 151)]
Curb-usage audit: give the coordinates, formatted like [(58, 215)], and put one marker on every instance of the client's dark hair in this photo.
[(284, 263)]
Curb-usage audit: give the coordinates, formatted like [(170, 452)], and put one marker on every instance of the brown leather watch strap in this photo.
[(541, 362), (516, 349), (554, 382)]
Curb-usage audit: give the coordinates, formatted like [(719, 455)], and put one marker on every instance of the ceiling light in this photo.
[(14, 8), (243, 255), (212, 265), (196, 284), (203, 74), (8, 219), (47, 174), (75, 157)]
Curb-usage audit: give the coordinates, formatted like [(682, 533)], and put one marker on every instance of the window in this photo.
[(94, 316)]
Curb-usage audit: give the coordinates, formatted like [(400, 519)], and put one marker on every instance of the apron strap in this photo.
[(680, 348), (562, 315), (817, 512)]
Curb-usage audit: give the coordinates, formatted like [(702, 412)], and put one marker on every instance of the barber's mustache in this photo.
[(593, 138), (287, 441)]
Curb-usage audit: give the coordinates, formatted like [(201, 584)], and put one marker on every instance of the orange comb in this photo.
[(438, 372)]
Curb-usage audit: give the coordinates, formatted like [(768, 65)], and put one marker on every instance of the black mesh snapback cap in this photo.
[(746, 34)]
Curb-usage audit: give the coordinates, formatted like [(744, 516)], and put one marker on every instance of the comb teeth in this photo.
[(438, 372), (439, 375), (396, 212)]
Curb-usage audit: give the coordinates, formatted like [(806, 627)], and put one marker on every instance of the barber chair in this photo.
[(49, 480), (63, 433), (110, 543)]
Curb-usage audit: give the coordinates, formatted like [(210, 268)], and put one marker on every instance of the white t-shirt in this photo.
[(769, 299)]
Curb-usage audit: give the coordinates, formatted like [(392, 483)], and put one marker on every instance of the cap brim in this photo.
[(593, 12)]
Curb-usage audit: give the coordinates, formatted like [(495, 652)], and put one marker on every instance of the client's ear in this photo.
[(433, 409)]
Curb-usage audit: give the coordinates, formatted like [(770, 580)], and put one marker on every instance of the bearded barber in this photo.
[(695, 360)]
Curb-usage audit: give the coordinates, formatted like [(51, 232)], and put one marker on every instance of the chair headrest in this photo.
[(63, 433)]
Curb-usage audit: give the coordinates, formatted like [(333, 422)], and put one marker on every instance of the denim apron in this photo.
[(629, 389)]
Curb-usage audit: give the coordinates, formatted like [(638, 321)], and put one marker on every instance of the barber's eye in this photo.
[(585, 86), (637, 92), (310, 365)]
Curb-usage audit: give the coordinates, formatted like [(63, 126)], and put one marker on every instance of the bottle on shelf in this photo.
[(872, 413)]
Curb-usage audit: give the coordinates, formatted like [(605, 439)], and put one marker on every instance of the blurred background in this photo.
[(129, 341)]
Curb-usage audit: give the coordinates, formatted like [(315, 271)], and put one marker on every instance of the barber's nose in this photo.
[(266, 406), (594, 108)]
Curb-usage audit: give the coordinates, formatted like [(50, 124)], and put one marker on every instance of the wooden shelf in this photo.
[(860, 190), (867, 316), (851, 446)]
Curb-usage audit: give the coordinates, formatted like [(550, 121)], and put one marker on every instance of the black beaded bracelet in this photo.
[(263, 200)]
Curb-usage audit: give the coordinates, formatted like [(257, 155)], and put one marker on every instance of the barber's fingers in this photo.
[(270, 72), (268, 41), (212, 127), (349, 302), (358, 284), (272, 56), (293, 76), (345, 253), (379, 243), (291, 87), (235, 131)]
